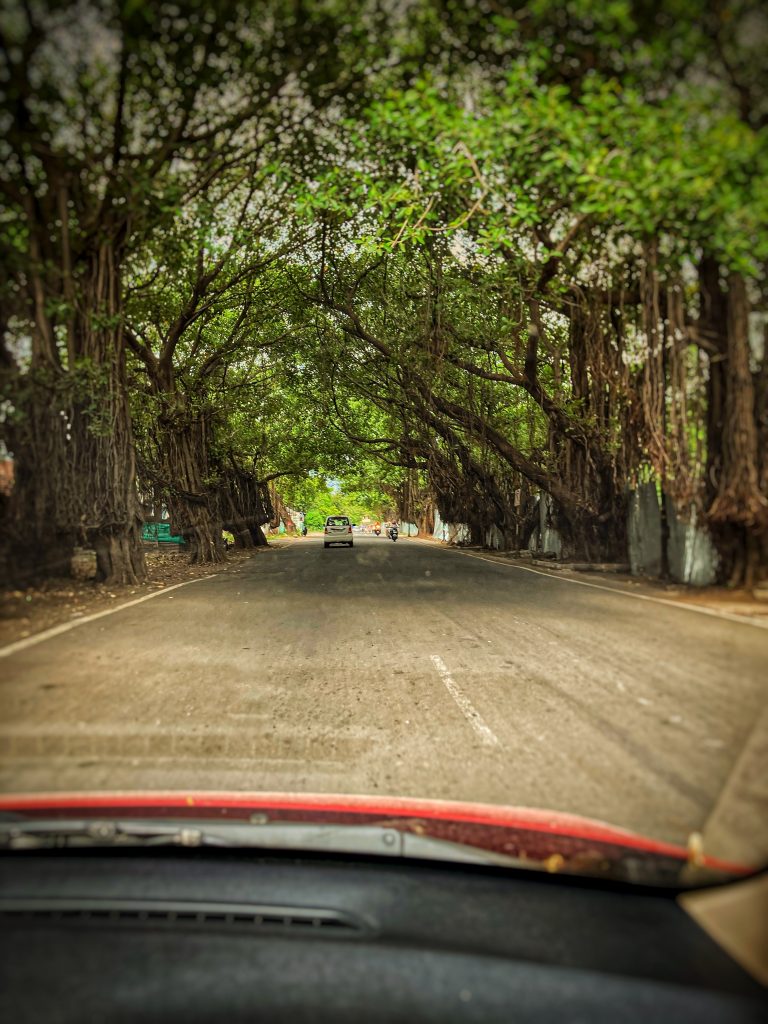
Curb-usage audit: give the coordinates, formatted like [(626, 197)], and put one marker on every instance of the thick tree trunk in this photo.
[(737, 507), (204, 542), (528, 523), (597, 538), (107, 459), (116, 556), (259, 539), (242, 535), (241, 499), (191, 501), (73, 442), (40, 528), (426, 523)]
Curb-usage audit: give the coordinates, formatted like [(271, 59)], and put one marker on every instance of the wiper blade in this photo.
[(36, 835), (370, 840)]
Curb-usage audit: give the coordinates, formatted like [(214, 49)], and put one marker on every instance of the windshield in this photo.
[(383, 417)]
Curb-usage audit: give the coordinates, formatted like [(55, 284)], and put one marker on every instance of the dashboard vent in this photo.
[(247, 916)]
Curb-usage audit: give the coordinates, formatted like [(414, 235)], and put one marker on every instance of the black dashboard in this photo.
[(227, 935)]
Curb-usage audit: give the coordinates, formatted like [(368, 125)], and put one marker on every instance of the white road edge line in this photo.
[(611, 590), (465, 705), (64, 627)]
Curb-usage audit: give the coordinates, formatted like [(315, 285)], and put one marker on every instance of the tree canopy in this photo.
[(456, 255)]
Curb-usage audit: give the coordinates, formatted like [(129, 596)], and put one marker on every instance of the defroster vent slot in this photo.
[(182, 913)]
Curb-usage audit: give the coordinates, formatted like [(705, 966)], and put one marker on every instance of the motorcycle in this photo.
[(392, 533), (377, 532)]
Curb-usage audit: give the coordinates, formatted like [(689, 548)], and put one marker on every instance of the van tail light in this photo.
[(349, 529)]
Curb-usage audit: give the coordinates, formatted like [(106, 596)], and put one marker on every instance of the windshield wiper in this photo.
[(364, 840)]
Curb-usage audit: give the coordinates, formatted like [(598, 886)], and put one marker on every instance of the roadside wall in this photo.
[(692, 557), (644, 531), (494, 539), (452, 533), (549, 540)]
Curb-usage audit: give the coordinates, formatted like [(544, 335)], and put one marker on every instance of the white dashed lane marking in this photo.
[(466, 707)]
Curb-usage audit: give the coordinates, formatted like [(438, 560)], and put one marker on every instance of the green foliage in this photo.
[(315, 496), (383, 243)]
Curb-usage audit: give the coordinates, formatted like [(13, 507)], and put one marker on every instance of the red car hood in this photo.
[(556, 840)]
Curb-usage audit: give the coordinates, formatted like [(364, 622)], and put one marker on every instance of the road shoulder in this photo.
[(34, 610), (735, 606)]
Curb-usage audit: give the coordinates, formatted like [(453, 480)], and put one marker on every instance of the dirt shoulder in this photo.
[(24, 613), (741, 604)]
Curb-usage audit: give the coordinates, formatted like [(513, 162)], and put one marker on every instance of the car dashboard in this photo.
[(230, 935)]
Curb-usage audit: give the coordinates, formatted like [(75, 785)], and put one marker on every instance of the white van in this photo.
[(338, 530)]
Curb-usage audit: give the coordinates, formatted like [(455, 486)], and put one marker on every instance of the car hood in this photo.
[(552, 840)]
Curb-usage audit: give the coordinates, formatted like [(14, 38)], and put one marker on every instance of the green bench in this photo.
[(159, 533)]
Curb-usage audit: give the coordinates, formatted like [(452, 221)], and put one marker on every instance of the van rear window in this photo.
[(337, 521)]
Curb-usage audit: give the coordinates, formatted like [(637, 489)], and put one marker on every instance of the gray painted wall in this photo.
[(644, 531), (452, 533), (692, 557)]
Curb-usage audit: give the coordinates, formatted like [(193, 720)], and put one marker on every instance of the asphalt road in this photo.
[(413, 670)]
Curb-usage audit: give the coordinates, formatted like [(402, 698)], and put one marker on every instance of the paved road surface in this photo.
[(406, 669)]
